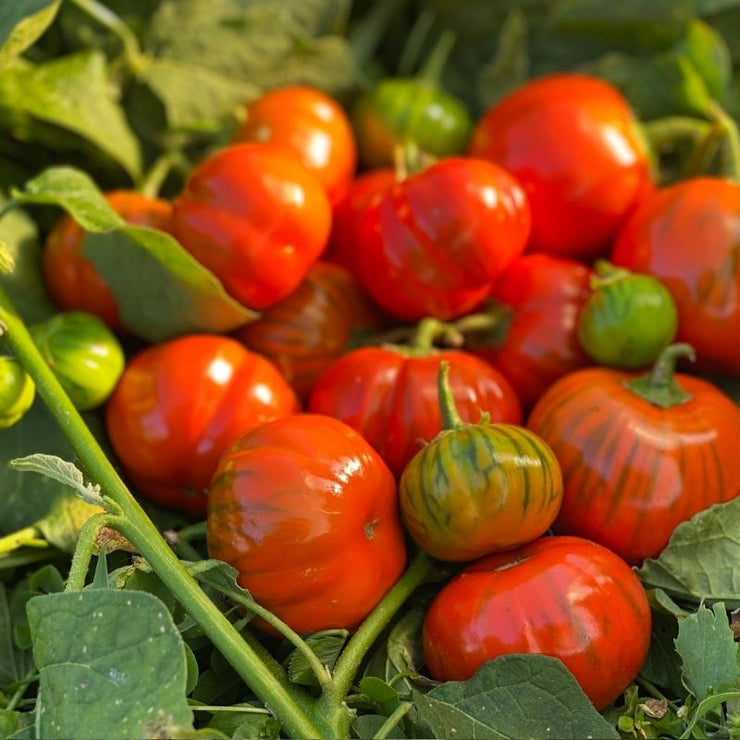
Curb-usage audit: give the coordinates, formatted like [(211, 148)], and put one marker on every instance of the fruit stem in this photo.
[(658, 385), (430, 330), (451, 419)]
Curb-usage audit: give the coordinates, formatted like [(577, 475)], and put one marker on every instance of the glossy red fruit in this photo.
[(255, 217), (312, 125), (309, 329), (389, 395), (532, 334), (307, 512), (71, 279), (572, 141), (639, 453), (348, 212), (433, 243), (180, 404), (560, 596), (686, 235)]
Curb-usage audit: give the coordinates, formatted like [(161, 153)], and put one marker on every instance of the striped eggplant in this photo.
[(309, 329), (560, 596), (628, 318), (640, 453), (84, 354), (478, 488)]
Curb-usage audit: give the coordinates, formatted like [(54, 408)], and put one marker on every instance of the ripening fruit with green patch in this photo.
[(17, 391), (84, 354), (628, 319), (478, 488)]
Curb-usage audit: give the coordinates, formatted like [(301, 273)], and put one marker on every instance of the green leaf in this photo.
[(708, 652), (30, 499), (61, 471), (219, 95), (326, 645), (75, 192), (74, 93), (664, 84), (24, 284), (15, 663), (662, 665), (231, 50), (700, 561), (21, 23), (514, 696), (382, 693), (111, 663), (707, 50), (16, 725), (161, 290)]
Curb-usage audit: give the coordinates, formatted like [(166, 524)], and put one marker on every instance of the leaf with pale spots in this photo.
[(513, 696), (90, 648)]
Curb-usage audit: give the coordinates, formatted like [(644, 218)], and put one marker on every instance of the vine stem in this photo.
[(26, 537), (350, 658), (385, 729), (291, 707)]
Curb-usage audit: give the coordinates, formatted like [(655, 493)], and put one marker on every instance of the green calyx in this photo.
[(659, 386)]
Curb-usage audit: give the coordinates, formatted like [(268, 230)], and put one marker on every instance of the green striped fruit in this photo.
[(628, 319), (84, 354), (17, 391), (479, 488)]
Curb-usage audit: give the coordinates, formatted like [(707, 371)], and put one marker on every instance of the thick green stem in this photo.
[(659, 386), (290, 707), (451, 419), (346, 667)]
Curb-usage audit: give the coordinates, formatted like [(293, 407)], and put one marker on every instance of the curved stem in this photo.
[(451, 419), (290, 707), (351, 657), (84, 550), (430, 330), (659, 386)]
